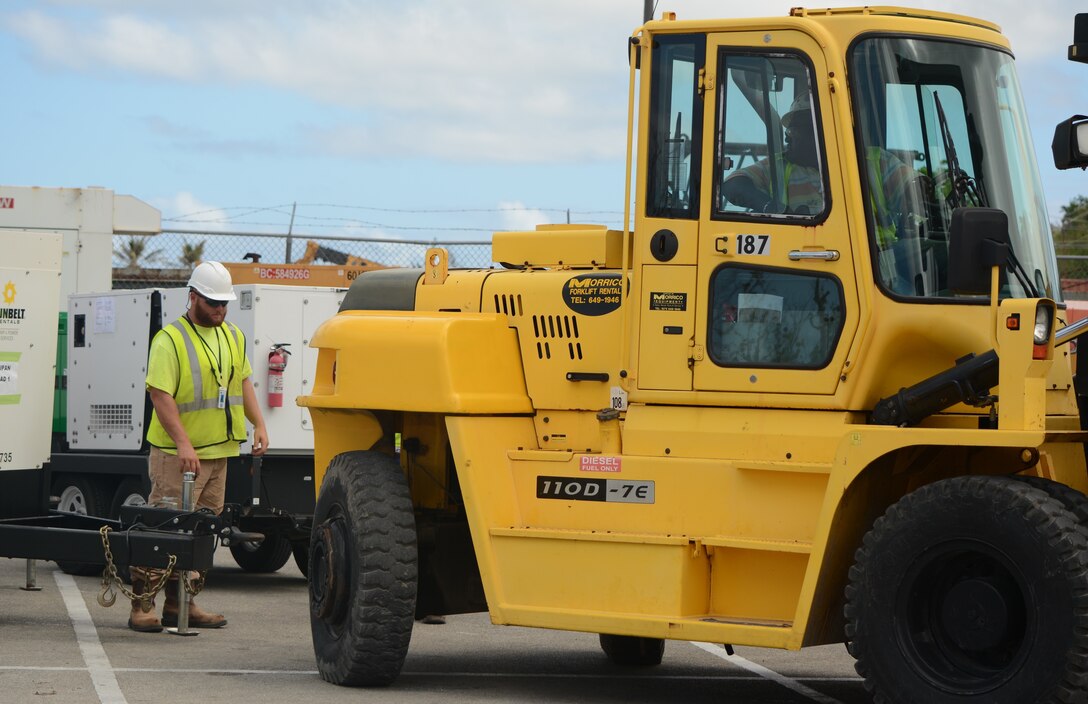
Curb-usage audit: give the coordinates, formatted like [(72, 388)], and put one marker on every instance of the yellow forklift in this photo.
[(820, 392)]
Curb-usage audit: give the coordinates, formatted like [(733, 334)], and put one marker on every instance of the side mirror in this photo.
[(1078, 50), (1070, 145), (978, 240)]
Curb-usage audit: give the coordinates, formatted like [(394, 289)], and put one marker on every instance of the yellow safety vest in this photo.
[(885, 230), (199, 382)]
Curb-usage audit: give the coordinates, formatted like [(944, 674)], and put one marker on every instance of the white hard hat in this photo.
[(212, 280), (802, 105)]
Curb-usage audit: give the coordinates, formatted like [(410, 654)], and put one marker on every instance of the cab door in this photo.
[(777, 303), (670, 176)]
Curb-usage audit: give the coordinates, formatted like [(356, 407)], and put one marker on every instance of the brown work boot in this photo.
[(198, 617), (139, 619)]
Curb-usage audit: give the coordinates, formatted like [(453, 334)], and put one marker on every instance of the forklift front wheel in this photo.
[(971, 589), (362, 570)]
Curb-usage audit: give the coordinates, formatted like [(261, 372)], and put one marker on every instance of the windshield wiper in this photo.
[(965, 193), (964, 190)]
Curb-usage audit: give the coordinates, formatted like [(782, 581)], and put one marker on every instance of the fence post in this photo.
[(290, 227)]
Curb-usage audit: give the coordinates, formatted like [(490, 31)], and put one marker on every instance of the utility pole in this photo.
[(647, 10), (290, 228)]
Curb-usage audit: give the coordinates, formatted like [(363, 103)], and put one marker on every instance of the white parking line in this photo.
[(767, 673), (410, 673), (94, 655)]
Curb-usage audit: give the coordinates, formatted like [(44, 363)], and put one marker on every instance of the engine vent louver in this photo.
[(509, 304), (547, 329)]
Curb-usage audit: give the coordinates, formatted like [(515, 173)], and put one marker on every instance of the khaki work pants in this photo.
[(165, 472)]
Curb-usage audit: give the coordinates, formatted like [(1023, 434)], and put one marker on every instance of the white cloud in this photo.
[(515, 216), (489, 81), (533, 82), (185, 210)]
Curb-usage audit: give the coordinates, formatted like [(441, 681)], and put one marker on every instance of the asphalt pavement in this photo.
[(59, 646)]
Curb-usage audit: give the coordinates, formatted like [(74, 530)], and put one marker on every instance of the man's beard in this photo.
[(801, 156), (203, 320)]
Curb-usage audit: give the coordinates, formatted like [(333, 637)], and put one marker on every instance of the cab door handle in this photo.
[(826, 255)]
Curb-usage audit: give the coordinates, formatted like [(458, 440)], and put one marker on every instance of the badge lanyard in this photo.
[(217, 365)]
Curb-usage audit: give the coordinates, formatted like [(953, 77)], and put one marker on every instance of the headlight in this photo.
[(1042, 325)]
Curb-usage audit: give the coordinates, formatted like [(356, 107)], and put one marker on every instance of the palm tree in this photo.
[(192, 254), (136, 251)]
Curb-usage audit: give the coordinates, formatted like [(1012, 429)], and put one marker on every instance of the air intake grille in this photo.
[(509, 304), (554, 330), (111, 418)]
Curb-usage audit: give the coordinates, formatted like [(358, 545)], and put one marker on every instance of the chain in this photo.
[(194, 587), (107, 597)]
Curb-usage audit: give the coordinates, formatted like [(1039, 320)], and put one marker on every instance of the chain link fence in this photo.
[(168, 258), (1073, 267)]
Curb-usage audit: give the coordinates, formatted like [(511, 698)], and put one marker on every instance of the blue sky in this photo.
[(513, 111)]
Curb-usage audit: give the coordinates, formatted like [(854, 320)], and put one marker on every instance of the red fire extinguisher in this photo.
[(277, 363)]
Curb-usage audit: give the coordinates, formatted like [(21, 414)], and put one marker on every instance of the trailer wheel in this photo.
[(129, 493), (363, 570), (972, 589), (301, 552), (85, 496), (264, 557), (633, 651)]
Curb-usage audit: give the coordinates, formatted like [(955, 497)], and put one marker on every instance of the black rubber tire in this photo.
[(363, 570), (264, 557), (971, 590), (130, 492), (633, 651), (301, 553), (88, 496), (1074, 501)]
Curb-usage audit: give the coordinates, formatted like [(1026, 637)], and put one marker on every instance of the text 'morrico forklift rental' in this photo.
[(820, 393)]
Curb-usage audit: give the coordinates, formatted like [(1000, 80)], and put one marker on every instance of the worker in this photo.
[(798, 166), (198, 376), (892, 184)]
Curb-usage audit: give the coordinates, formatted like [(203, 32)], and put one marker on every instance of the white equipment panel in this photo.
[(108, 338), (87, 218), (29, 289), (270, 315)]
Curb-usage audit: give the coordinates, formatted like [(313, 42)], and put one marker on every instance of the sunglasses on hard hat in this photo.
[(211, 302)]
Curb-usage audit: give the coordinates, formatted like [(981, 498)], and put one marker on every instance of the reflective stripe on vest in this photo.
[(197, 395)]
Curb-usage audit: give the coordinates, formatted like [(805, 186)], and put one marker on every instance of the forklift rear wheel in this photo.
[(633, 651), (363, 570), (264, 557), (971, 589), (85, 496)]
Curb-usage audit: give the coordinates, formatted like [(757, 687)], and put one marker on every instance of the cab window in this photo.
[(675, 125), (768, 158), (761, 317)]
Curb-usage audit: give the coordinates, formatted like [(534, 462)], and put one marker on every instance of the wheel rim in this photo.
[(329, 575), (72, 500), (968, 621)]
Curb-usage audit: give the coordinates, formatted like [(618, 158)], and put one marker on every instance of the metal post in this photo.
[(188, 482), (31, 576), (290, 229)]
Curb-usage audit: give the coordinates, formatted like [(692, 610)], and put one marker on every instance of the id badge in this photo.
[(222, 397)]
